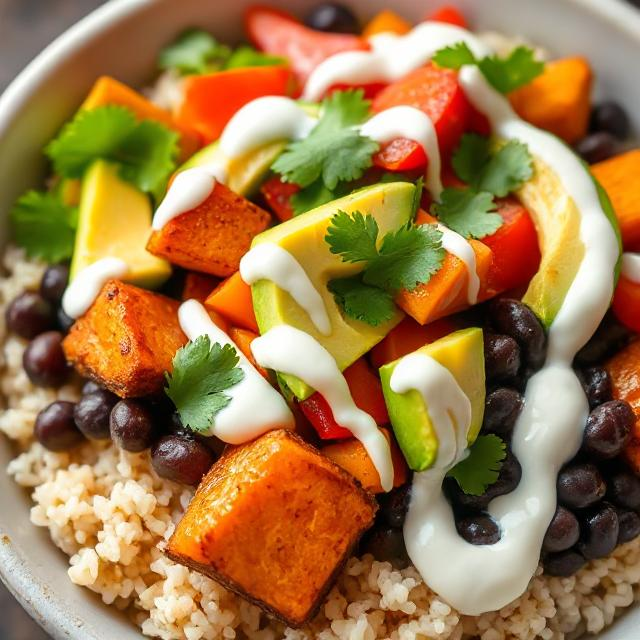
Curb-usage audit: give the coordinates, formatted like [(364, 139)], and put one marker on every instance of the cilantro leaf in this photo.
[(482, 467), (202, 372), (454, 56), (194, 52), (363, 302), (467, 212), (249, 57), (333, 151), (354, 237), (146, 151), (471, 156), (408, 257), (506, 170), (44, 226), (520, 67)]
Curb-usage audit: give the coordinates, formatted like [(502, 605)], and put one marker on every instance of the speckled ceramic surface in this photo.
[(122, 39)]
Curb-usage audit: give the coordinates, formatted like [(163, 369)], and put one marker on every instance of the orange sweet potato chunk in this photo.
[(213, 237), (127, 340), (274, 521)]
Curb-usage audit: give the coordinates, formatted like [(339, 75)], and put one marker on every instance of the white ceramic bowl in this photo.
[(122, 39)]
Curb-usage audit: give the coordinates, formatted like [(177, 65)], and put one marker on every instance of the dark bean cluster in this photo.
[(333, 17), (609, 126)]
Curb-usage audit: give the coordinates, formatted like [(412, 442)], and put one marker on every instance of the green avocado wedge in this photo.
[(303, 237), (462, 353)]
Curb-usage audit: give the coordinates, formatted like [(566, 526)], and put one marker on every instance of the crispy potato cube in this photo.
[(274, 521), (127, 340), (212, 237)]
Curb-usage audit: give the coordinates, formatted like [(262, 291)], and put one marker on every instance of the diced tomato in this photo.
[(626, 303), (516, 254), (436, 92), (278, 196), (280, 34), (401, 155), (205, 111), (450, 15), (366, 391)]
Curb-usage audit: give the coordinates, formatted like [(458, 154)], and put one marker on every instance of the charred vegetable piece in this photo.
[(126, 340), (272, 490)]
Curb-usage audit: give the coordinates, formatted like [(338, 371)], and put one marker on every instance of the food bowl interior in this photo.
[(122, 39)]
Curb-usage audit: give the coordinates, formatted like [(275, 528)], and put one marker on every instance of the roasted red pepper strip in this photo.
[(366, 391), (278, 196), (450, 15), (401, 155)]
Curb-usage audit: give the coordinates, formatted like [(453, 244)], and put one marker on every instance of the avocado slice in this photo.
[(557, 221), (462, 353), (303, 237), (114, 220)]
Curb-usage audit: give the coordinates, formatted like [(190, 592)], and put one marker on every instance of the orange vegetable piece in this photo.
[(213, 237), (619, 177), (387, 21), (198, 286), (210, 101), (407, 337), (277, 195), (626, 303), (243, 339), (232, 299), (274, 521), (107, 90), (127, 340), (450, 15), (353, 457), (559, 100), (445, 293)]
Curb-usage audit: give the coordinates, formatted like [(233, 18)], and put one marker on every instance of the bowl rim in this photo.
[(32, 595)]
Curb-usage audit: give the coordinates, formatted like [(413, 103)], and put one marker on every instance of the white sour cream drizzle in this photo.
[(391, 57), (460, 247), (85, 287), (255, 407), (294, 352), (631, 267)]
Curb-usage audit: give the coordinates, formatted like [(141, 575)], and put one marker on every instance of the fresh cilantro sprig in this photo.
[(489, 173), (482, 466), (404, 259), (505, 74), (334, 153), (146, 151), (44, 226), (246, 56), (202, 372), (194, 52)]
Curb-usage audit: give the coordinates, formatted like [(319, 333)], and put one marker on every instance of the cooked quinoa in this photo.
[(111, 514)]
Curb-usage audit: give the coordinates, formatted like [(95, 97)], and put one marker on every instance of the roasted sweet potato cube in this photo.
[(127, 340), (212, 237), (274, 521)]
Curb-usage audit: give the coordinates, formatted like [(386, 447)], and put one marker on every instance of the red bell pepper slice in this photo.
[(280, 34), (436, 92), (401, 155), (366, 391), (450, 15), (626, 303), (210, 101), (278, 196), (516, 253)]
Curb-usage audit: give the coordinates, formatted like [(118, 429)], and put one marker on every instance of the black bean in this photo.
[(332, 17), (93, 413), (29, 315), (597, 147), (501, 357), (181, 459), (90, 386), (132, 426), (629, 525), (596, 383), (608, 338), (54, 282), (599, 529), (563, 531), (44, 360), (479, 529), (608, 429), (394, 506), (386, 544), (501, 411), (65, 322), (563, 564), (623, 489), (580, 485), (612, 118), (55, 428), (515, 319)]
